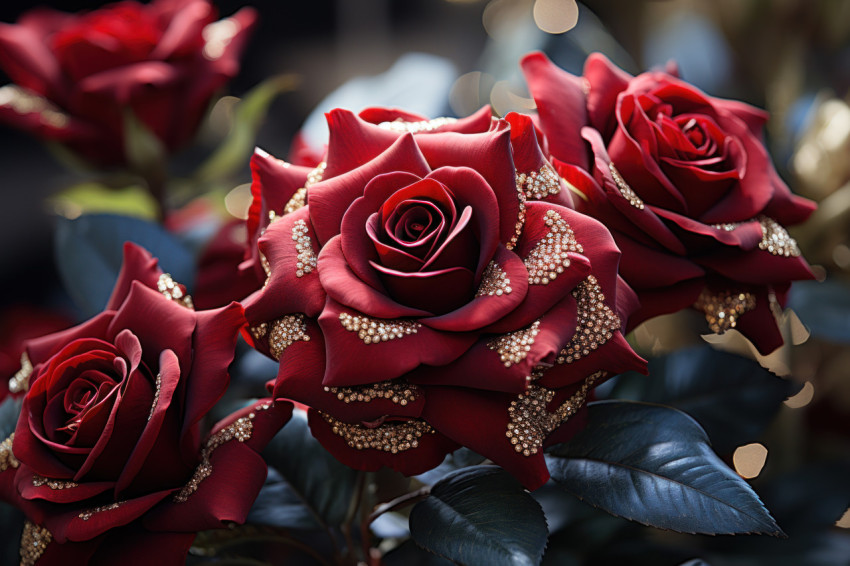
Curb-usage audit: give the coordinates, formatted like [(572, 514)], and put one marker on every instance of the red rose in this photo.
[(420, 296), (108, 454), (685, 185), (76, 75)]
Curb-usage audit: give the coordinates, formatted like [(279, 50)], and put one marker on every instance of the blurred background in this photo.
[(450, 57)]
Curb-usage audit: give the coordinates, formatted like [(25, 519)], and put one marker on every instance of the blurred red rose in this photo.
[(685, 185), (76, 75), (427, 288), (108, 461)]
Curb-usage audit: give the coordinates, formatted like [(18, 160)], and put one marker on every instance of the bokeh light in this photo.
[(749, 460)]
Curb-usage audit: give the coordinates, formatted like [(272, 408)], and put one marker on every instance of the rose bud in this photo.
[(428, 288), (686, 186), (77, 75), (108, 461)]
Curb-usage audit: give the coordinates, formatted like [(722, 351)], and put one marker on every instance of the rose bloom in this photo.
[(77, 75), (685, 185), (107, 460), (428, 288)]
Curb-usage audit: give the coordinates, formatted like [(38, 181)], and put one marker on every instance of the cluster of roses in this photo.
[(429, 284)]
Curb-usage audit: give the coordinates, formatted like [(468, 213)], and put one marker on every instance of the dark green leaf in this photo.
[(480, 515), (823, 307), (250, 113), (654, 465), (460, 458), (89, 252), (279, 506), (732, 397), (323, 484), (10, 409)]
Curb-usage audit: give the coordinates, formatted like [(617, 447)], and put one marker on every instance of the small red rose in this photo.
[(685, 185), (108, 460), (76, 75)]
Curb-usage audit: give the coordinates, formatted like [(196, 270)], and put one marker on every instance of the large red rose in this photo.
[(685, 185), (421, 294), (108, 461), (76, 75)]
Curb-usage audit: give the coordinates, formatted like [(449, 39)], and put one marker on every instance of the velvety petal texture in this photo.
[(685, 184), (111, 441), (436, 258)]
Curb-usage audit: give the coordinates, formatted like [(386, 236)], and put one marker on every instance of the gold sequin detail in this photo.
[(775, 239), (306, 256), (298, 200), (401, 126), (34, 541), (374, 330), (625, 189), (158, 386), (515, 346), (38, 481), (539, 184), (520, 221), (241, 430), (595, 322), (285, 331), (393, 437), (24, 101), (259, 331), (171, 289), (20, 382), (494, 281), (530, 420), (723, 309), (549, 258), (88, 513), (315, 175), (7, 457), (399, 392), (267, 268)]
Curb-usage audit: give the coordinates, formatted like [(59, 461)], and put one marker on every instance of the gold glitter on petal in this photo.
[(775, 239), (298, 200), (285, 331), (397, 391), (375, 330), (595, 322), (267, 268), (520, 222), (172, 290), (722, 310), (20, 382), (401, 126), (392, 437), (34, 541), (625, 189), (530, 421), (240, 430), (88, 513), (515, 346), (494, 281), (539, 184), (259, 331), (7, 457), (23, 101), (304, 247), (315, 175), (38, 481), (549, 258), (158, 386)]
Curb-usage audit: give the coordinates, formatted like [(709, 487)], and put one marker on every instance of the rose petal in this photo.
[(329, 199), (381, 360), (561, 103)]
